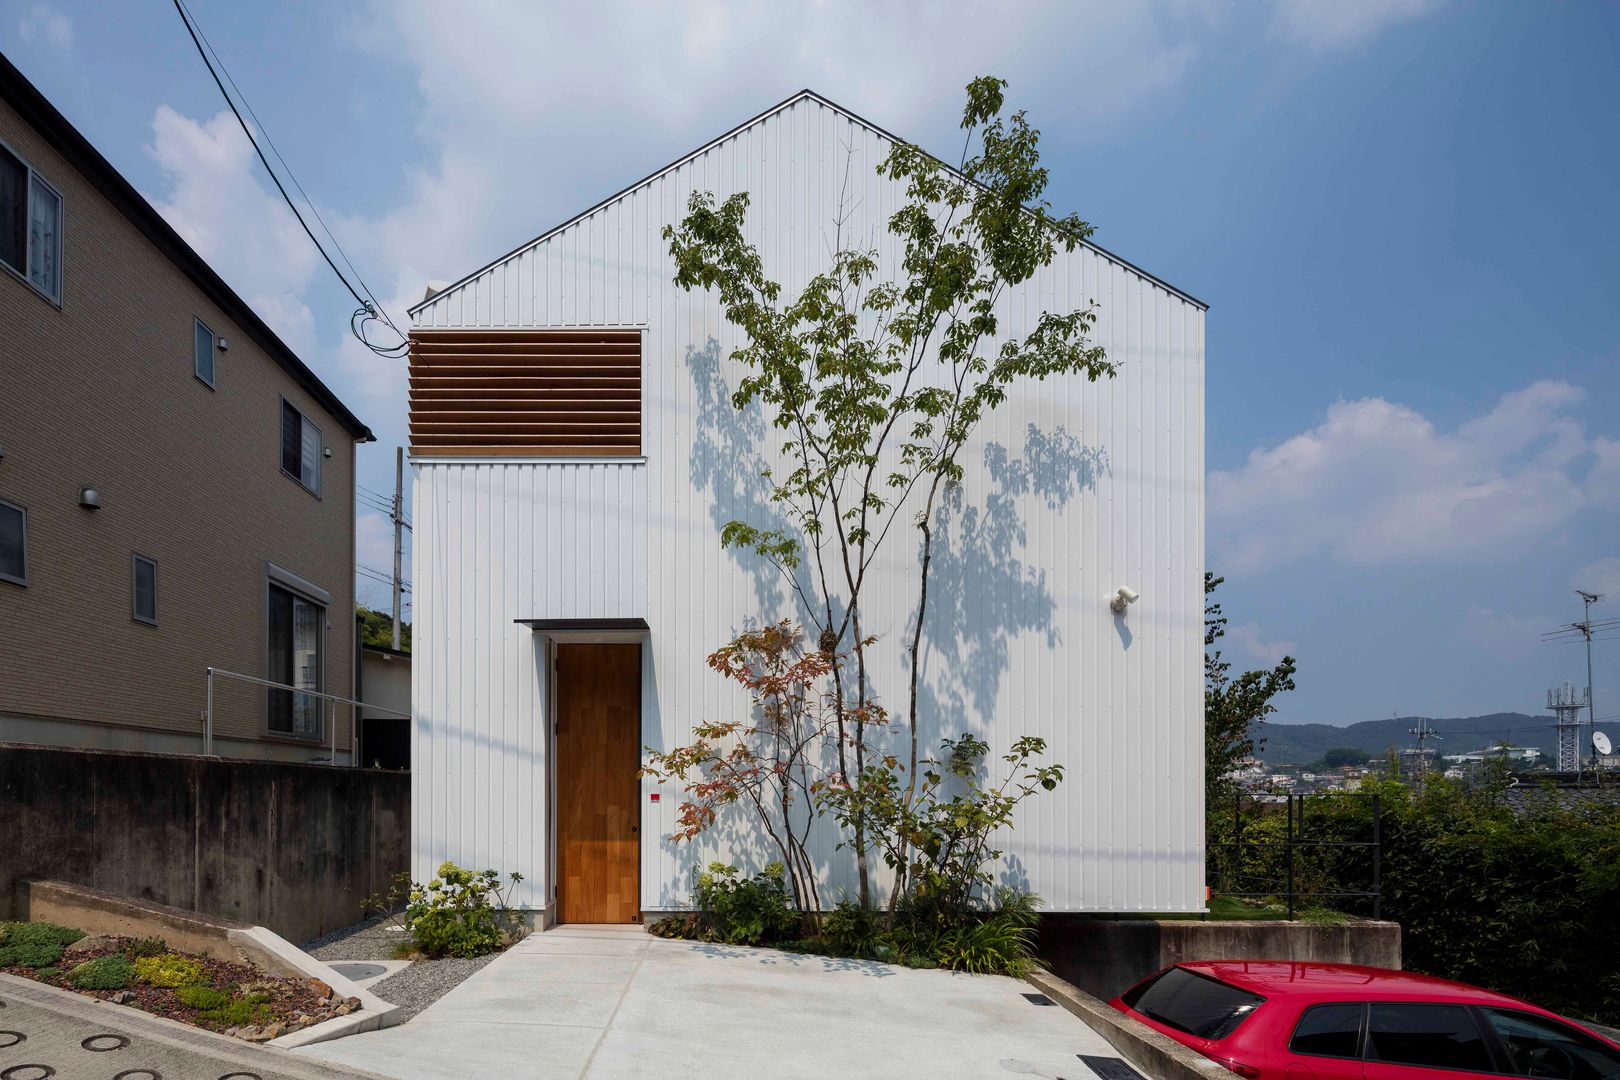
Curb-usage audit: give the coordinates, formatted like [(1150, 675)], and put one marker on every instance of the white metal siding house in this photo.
[(1075, 490)]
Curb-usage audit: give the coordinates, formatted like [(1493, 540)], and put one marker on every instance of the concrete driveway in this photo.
[(615, 1002)]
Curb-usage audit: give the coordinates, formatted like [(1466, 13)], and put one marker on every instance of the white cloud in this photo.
[(1604, 480), (1377, 482), (514, 146), (1503, 635), (1269, 653), (1339, 23), (218, 205), (1602, 576), (45, 26)]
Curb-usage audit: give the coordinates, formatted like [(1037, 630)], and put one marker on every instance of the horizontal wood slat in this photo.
[(531, 393)]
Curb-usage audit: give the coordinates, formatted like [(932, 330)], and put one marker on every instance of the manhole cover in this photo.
[(359, 972), (1109, 1068)]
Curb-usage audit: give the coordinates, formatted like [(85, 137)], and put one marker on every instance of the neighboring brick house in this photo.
[(176, 486)]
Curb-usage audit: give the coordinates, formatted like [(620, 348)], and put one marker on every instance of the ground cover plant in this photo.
[(143, 973)]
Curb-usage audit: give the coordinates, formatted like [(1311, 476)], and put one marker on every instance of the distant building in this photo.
[(385, 681), (1516, 754)]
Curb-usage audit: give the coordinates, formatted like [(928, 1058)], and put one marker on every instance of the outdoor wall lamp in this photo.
[(1124, 598), (90, 498)]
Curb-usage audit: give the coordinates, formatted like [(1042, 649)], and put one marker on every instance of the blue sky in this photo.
[(1401, 212)]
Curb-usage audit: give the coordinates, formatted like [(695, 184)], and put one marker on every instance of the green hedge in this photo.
[(1524, 903)]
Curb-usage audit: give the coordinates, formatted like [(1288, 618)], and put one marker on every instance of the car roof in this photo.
[(1284, 978)]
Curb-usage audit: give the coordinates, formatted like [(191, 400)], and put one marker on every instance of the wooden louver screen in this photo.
[(535, 393)]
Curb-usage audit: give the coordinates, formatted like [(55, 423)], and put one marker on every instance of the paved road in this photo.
[(51, 1033), (614, 1003)]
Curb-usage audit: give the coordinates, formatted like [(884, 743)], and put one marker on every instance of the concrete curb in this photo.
[(1156, 1055), (183, 1038), (98, 912)]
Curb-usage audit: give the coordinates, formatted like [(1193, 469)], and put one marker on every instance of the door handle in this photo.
[(635, 828)]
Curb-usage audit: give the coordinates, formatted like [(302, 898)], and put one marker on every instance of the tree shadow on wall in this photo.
[(981, 594), (726, 462)]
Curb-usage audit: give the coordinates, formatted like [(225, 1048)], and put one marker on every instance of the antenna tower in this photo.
[(1566, 704)]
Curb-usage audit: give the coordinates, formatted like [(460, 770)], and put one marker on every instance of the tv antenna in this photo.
[(1601, 747)]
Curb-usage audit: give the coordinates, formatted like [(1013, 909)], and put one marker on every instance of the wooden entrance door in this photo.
[(598, 796)]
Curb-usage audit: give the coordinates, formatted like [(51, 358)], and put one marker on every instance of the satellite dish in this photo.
[(1601, 743)]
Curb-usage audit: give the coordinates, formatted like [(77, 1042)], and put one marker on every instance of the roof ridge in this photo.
[(801, 95)]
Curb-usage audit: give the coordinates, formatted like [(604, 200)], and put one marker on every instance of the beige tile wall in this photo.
[(101, 393)]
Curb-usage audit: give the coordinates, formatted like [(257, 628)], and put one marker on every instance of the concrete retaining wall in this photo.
[(291, 847), (1105, 957)]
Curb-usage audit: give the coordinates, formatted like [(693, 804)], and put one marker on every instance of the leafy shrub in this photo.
[(745, 911), (853, 930), (146, 946), (460, 912), (203, 997), (999, 942), (102, 973), (169, 970), (34, 944)]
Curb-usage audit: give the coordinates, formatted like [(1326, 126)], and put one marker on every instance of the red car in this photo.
[(1276, 1020)]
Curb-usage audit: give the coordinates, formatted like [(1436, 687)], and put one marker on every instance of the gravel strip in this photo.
[(425, 982), (412, 989), (369, 940)]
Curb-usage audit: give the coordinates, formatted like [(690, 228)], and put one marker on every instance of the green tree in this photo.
[(1340, 756), (1233, 704), (377, 628), (877, 374)]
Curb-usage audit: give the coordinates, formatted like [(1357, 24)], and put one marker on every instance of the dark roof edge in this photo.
[(39, 113), (778, 107), (584, 625)]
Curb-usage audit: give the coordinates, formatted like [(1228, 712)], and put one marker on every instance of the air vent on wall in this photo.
[(532, 393)]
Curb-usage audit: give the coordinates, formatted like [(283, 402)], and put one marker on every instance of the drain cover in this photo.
[(1039, 999), (359, 972), (1109, 1068)]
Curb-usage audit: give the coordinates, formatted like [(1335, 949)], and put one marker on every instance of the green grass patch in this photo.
[(203, 998), (34, 944), (102, 973)]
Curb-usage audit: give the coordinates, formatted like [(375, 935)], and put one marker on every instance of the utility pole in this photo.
[(1424, 733), (1585, 627), (398, 517)]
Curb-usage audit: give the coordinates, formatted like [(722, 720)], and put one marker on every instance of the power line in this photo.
[(371, 309)]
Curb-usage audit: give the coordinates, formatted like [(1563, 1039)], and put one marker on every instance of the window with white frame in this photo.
[(203, 352), (13, 543), (30, 225), (143, 589), (297, 626), (300, 447)]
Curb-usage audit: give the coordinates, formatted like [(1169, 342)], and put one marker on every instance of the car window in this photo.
[(1434, 1036), (1538, 1046), (1329, 1031), (1196, 1004)]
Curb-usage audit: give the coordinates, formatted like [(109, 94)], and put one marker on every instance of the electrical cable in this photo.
[(370, 310)]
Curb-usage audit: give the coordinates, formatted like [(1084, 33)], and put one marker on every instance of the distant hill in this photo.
[(1298, 744)]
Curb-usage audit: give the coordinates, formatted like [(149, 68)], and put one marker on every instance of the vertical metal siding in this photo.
[(1021, 642)]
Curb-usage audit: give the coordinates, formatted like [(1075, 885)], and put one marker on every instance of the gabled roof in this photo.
[(802, 95), (65, 139)]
